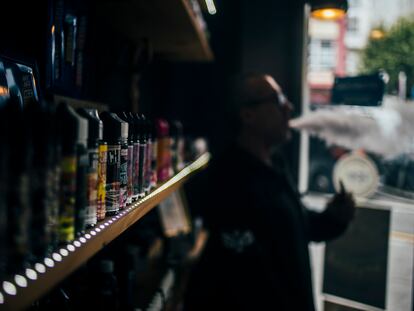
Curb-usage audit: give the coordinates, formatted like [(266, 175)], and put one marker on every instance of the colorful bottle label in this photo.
[(92, 190), (154, 163), (81, 190), (142, 168), (147, 178), (101, 182), (163, 159), (130, 175), (68, 199), (123, 177), (135, 171), (113, 167), (53, 217)]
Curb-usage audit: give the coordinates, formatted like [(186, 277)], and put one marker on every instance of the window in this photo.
[(352, 24), (322, 54)]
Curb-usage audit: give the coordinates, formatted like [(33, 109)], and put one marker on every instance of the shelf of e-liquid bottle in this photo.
[(19, 291)]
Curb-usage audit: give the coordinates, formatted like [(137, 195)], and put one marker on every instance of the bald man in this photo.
[(257, 255)]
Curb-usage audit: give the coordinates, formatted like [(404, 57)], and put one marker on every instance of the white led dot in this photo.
[(77, 243), (88, 236), (56, 257), (20, 280), (102, 226), (1, 298), (40, 268), (82, 239), (110, 221), (71, 248), (31, 274), (63, 252), (49, 262), (98, 230), (9, 288)]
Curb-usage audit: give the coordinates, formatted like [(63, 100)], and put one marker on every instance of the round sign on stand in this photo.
[(358, 173)]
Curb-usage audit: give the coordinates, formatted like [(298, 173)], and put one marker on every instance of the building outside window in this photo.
[(352, 24), (322, 54), (331, 45)]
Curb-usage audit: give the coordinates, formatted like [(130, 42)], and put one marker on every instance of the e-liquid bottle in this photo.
[(81, 176), (95, 134), (18, 187), (154, 154), (42, 196), (177, 145), (112, 135), (123, 172), (130, 187), (101, 186), (164, 150), (3, 188), (55, 182), (135, 165), (68, 122), (148, 166), (142, 154)]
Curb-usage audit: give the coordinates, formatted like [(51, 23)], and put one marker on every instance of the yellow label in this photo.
[(101, 208)]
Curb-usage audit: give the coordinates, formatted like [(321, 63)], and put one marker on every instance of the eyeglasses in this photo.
[(278, 98), (282, 99)]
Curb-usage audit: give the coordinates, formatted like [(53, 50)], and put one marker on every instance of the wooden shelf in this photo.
[(170, 26), (19, 292)]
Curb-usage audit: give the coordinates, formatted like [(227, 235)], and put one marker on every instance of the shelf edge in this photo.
[(71, 256)]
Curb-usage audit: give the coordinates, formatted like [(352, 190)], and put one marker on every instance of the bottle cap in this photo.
[(73, 128), (135, 125), (83, 131), (143, 126), (113, 129), (124, 116), (95, 125), (162, 127), (149, 126), (139, 126), (124, 129)]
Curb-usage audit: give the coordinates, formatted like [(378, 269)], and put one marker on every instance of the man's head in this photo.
[(262, 109)]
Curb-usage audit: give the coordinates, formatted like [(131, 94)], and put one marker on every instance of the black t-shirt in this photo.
[(257, 256)]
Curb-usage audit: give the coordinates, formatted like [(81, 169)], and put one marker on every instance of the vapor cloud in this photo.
[(387, 130)]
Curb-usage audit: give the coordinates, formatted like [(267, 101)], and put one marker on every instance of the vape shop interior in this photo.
[(207, 155)]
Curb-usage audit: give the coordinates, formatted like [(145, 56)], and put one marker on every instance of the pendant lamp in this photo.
[(328, 9)]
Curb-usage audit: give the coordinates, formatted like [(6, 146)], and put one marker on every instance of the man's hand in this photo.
[(342, 206)]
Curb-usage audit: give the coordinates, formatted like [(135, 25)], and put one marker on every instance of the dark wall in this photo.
[(259, 36), (23, 32), (273, 35), (194, 92)]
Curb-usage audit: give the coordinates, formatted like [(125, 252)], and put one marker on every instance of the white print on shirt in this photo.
[(237, 240)]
